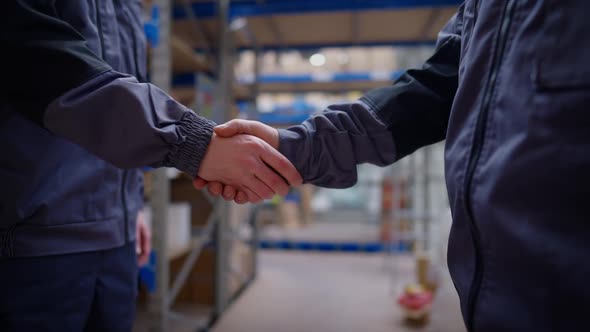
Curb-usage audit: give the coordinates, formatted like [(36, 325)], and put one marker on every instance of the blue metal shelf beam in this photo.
[(370, 247), (313, 47), (281, 119), (277, 7), (188, 79), (336, 77)]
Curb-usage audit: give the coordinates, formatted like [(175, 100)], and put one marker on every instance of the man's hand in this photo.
[(246, 163), (143, 240), (254, 128), (230, 129)]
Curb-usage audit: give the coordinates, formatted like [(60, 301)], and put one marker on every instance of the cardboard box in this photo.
[(178, 235), (182, 190)]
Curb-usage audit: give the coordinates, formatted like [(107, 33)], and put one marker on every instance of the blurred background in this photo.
[(368, 258)]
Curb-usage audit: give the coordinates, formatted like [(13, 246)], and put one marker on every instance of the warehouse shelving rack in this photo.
[(270, 25), (303, 25), (217, 230)]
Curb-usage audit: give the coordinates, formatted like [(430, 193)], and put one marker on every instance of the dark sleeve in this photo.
[(385, 125), (417, 106), (326, 148), (42, 56), (63, 86)]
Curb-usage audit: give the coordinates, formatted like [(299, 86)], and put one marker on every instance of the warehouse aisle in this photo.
[(301, 292)]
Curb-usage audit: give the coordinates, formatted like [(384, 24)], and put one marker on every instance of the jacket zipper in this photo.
[(478, 140)]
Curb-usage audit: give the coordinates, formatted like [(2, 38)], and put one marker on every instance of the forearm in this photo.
[(416, 108), (130, 124), (67, 89), (326, 148), (385, 125)]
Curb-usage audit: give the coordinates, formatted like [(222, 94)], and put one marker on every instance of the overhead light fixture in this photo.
[(317, 60), (238, 24)]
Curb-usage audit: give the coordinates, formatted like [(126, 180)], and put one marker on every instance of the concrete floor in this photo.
[(304, 292)]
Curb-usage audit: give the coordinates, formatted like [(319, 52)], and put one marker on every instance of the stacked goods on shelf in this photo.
[(200, 286), (289, 212), (395, 204), (201, 282), (425, 273), (306, 191), (241, 254), (178, 237), (241, 266), (182, 190), (184, 59), (190, 210), (385, 231), (338, 60), (292, 211)]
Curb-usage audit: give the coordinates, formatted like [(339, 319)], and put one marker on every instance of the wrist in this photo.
[(188, 155)]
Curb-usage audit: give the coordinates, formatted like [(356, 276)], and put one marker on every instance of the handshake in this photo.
[(243, 164)]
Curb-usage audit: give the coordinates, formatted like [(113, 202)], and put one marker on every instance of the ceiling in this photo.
[(308, 29)]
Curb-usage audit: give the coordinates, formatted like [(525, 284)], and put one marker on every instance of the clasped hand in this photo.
[(246, 168)]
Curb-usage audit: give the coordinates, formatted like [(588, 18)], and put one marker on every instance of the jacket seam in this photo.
[(11, 241), (372, 106), (7, 242), (70, 223)]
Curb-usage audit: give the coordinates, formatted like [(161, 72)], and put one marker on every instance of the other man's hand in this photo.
[(246, 164), (232, 128)]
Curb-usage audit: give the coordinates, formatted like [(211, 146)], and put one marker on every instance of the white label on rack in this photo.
[(380, 76), (246, 78), (321, 77)]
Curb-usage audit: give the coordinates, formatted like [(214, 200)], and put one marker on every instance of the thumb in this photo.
[(230, 128), (254, 128)]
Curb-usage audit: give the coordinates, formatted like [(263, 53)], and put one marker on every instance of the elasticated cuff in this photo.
[(292, 146), (187, 156)]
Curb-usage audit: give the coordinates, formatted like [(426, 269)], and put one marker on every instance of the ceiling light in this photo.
[(238, 24), (317, 60)]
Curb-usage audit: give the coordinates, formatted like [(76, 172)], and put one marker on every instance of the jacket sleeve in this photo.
[(63, 86), (385, 125)]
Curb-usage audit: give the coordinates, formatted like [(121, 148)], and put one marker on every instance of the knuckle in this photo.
[(251, 143), (250, 164), (276, 184), (286, 165)]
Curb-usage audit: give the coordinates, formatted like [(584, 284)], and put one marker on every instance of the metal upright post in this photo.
[(222, 105), (414, 211), (160, 196), (257, 69), (255, 92), (426, 199)]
